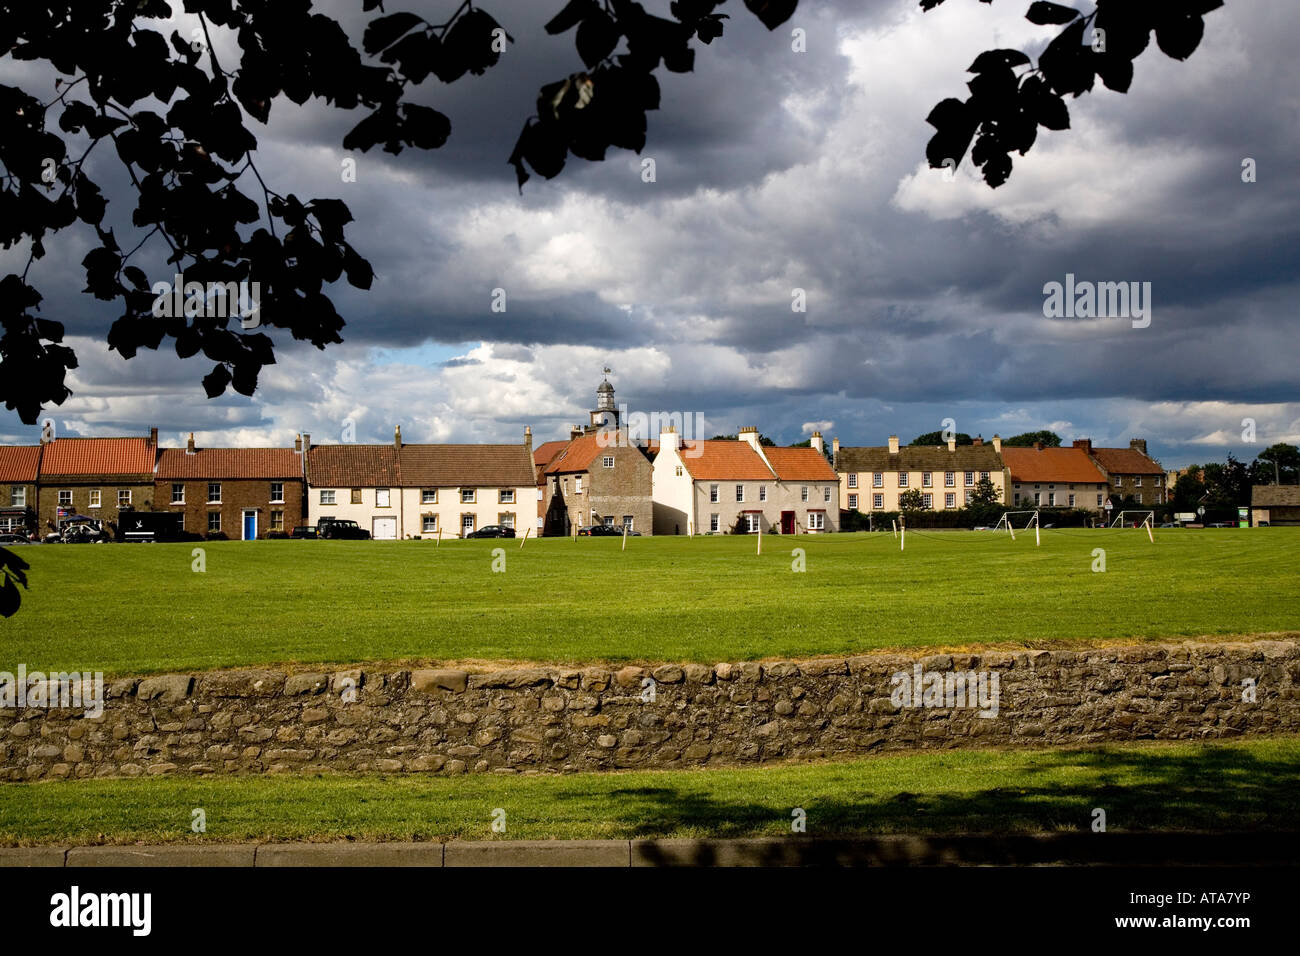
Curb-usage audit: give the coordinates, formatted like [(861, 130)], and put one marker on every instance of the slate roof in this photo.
[(229, 463), (1275, 496), (920, 458)]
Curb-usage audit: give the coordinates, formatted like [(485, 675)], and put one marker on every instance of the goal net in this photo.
[(1134, 519)]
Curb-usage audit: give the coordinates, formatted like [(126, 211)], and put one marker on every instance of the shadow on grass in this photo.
[(1147, 795)]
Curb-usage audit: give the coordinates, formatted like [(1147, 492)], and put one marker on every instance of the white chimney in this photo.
[(997, 444), (893, 444), (952, 444), (669, 439), (750, 435), (818, 443)]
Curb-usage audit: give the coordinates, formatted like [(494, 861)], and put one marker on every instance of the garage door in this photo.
[(384, 529)]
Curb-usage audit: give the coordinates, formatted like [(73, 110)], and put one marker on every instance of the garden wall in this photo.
[(569, 719)]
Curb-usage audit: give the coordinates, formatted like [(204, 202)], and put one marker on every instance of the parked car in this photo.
[(8, 538), (1169, 524), (304, 531), (601, 531), (492, 531), (78, 529), (341, 529)]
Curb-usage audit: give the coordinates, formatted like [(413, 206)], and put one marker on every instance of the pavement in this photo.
[(1037, 849)]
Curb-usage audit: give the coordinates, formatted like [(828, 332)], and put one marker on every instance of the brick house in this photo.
[(726, 486), (242, 493), (97, 477), (601, 477), (872, 478), (1054, 478), (1130, 472), (19, 471)]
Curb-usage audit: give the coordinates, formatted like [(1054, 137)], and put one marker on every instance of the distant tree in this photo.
[(911, 500), (1189, 489), (762, 439), (986, 493), (1227, 484), (1049, 440), (936, 438), (1279, 463)]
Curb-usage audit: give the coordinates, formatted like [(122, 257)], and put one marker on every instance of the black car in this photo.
[(492, 531), (341, 529), (304, 531), (601, 531), (8, 538)]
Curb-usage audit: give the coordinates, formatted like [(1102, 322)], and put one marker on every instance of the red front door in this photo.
[(787, 522)]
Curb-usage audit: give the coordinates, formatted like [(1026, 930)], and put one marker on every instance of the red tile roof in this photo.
[(724, 460), (547, 450), (800, 464), (352, 466), (84, 457), (19, 464), (229, 463), (1054, 465), (1126, 461)]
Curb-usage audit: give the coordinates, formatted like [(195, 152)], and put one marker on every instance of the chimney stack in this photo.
[(1138, 444), (978, 441), (528, 439), (397, 437), (1085, 444), (997, 444), (189, 445), (668, 438), (306, 441), (1038, 446), (153, 437), (818, 443), (750, 434), (952, 444), (297, 444), (575, 432), (835, 452), (893, 444)]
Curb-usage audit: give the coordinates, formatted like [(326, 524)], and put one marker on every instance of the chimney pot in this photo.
[(153, 437), (189, 445), (397, 437), (1038, 446)]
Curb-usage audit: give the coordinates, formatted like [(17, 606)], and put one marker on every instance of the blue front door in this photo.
[(250, 525)]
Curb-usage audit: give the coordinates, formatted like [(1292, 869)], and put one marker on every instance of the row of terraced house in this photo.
[(598, 475)]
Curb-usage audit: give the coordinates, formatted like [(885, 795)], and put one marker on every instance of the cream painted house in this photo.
[(416, 491), (739, 486), (872, 478)]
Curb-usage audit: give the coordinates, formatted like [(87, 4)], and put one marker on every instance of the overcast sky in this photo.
[(779, 170)]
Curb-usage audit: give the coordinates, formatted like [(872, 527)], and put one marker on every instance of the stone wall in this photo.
[(557, 719)]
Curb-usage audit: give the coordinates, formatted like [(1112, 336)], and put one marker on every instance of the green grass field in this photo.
[(136, 609), (1242, 785)]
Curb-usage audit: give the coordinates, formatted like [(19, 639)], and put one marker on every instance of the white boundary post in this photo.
[(1149, 524), (902, 536), (1037, 537), (895, 524), (760, 534), (624, 537)]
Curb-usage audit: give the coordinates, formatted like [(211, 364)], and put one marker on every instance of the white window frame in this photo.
[(123, 496), (607, 461), (902, 479), (950, 499), (96, 498), (816, 521), (853, 502), (713, 522), (65, 497), (877, 479), (506, 496), (211, 500), (429, 524), (469, 496), (328, 496), (428, 496), (853, 479), (950, 479), (803, 492), (740, 493), (878, 502), (277, 499), (178, 492), (383, 497)]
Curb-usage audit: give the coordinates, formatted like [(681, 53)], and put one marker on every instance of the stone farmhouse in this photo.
[(96, 477)]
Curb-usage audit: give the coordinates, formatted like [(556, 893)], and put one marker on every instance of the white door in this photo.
[(384, 529)]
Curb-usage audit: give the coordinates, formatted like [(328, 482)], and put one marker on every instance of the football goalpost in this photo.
[(1147, 517), (1008, 521)]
